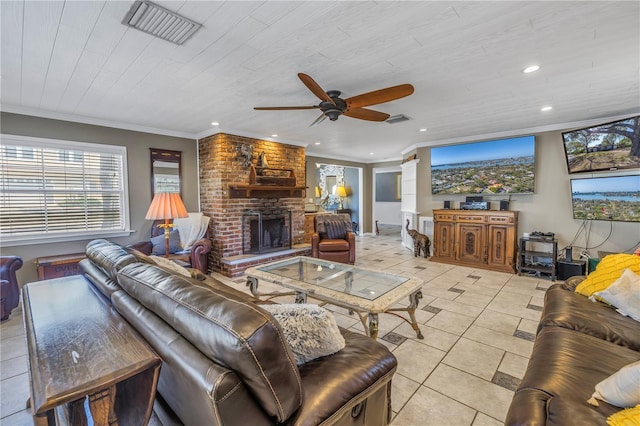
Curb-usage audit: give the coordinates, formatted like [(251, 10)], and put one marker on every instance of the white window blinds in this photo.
[(60, 190)]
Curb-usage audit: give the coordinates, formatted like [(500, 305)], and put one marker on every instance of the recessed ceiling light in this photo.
[(215, 123), (532, 68), (274, 136), (546, 108), (317, 143), (371, 153), (423, 130)]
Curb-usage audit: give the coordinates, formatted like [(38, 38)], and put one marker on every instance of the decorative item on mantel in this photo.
[(246, 152)]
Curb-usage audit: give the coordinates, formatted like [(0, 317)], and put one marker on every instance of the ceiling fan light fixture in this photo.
[(333, 114), (153, 19)]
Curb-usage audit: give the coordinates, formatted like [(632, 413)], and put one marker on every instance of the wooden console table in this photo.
[(79, 347)]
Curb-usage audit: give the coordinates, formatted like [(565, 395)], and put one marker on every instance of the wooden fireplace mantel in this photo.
[(266, 191), (266, 182)]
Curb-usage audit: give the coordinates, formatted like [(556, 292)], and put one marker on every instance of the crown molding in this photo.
[(520, 132), (36, 112)]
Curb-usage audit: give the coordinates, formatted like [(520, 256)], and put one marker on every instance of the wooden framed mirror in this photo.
[(166, 171)]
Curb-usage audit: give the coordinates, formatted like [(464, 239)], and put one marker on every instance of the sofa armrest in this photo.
[(572, 282), (315, 240), (144, 247), (351, 238), (200, 255)]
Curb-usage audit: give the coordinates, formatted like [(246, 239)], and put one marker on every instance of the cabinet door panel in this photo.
[(471, 243), (500, 252), (444, 240)]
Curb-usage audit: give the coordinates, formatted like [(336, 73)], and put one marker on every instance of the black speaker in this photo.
[(567, 269), (568, 254), (504, 205), (447, 204)]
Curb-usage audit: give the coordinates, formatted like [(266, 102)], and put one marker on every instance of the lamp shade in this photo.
[(166, 205), (317, 192), (341, 191)]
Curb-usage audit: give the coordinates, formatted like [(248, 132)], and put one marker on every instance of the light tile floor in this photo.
[(478, 329)]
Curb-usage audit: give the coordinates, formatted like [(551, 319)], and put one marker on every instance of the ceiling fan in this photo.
[(333, 106)]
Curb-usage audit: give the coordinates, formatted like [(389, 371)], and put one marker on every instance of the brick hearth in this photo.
[(221, 166)]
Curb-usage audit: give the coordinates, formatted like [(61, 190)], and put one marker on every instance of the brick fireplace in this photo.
[(222, 171)]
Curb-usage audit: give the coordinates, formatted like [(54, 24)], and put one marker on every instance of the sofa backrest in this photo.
[(229, 330), (105, 260)]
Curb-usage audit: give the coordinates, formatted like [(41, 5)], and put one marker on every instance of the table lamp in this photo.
[(166, 205), (341, 192)]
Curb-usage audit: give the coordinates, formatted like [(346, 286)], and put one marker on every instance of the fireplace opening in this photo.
[(266, 231)]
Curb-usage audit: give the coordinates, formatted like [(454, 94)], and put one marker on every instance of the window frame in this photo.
[(116, 150)]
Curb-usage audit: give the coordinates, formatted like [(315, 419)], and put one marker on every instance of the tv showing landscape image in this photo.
[(610, 146), (491, 167), (607, 198)]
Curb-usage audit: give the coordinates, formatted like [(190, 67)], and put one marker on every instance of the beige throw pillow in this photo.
[(621, 389), (624, 294)]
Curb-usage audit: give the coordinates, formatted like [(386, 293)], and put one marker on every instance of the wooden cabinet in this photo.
[(58, 266), (476, 238)]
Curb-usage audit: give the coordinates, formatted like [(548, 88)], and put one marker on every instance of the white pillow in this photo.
[(170, 265), (621, 389), (624, 294), (312, 331)]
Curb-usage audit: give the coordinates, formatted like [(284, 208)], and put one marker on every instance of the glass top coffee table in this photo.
[(364, 291)]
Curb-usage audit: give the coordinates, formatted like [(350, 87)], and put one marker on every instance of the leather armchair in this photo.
[(9, 291), (197, 258), (334, 238)]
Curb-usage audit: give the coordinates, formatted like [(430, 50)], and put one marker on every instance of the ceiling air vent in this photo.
[(160, 22), (397, 119)]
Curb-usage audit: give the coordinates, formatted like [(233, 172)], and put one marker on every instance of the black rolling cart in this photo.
[(538, 257)]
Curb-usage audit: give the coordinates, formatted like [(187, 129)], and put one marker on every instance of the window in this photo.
[(61, 190)]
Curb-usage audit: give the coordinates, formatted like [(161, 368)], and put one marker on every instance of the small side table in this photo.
[(80, 348)]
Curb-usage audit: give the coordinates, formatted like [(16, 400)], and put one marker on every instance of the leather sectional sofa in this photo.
[(224, 359), (578, 344)]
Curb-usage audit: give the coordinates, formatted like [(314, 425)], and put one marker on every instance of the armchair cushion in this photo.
[(159, 243)]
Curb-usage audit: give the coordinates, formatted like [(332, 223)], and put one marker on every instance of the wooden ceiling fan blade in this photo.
[(318, 120), (379, 96), (366, 114), (283, 108), (315, 87)]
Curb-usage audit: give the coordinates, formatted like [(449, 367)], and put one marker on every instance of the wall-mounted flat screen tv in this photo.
[(606, 198), (609, 146), (491, 167)]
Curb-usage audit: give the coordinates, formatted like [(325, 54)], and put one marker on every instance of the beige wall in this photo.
[(549, 208), (139, 170)]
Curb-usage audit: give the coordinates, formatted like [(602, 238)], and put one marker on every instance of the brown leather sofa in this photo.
[(197, 258), (9, 291), (578, 344), (224, 361), (334, 238)]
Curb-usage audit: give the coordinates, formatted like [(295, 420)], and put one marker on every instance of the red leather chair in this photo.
[(9, 290), (334, 238)]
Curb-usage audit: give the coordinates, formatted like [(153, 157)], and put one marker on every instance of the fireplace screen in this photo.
[(266, 231)]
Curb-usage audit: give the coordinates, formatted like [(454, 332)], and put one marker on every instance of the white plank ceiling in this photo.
[(76, 60)]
